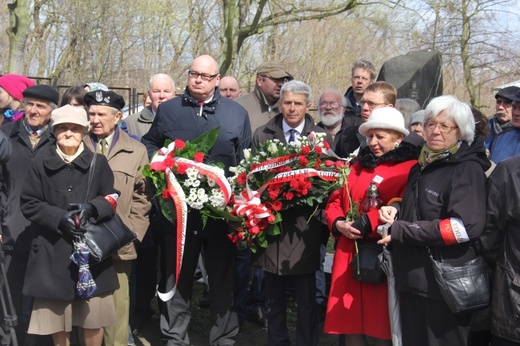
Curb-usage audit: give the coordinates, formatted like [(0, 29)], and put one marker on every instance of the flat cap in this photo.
[(274, 69), (104, 98), (508, 93), (42, 92), (70, 115)]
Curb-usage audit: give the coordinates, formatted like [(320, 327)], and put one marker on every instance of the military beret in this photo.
[(104, 98), (42, 92)]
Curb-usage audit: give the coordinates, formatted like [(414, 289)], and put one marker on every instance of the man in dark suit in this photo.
[(295, 254)]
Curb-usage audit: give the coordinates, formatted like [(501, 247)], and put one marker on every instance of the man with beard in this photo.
[(502, 119), (331, 107)]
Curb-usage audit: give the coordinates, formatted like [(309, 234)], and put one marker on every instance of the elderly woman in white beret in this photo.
[(359, 309)]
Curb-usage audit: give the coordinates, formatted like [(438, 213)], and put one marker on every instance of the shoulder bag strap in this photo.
[(90, 175)]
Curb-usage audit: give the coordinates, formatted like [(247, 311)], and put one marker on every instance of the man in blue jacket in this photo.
[(507, 143), (200, 109)]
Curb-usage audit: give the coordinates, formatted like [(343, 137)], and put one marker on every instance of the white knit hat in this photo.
[(387, 118)]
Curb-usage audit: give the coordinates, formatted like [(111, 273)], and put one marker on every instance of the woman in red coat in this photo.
[(357, 309)]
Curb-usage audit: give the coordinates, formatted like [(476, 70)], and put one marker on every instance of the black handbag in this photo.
[(465, 288), (105, 238), (366, 265)]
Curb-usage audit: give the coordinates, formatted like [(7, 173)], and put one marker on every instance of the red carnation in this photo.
[(181, 168), (306, 150), (198, 157), (179, 144), (276, 205), (303, 161), (242, 178)]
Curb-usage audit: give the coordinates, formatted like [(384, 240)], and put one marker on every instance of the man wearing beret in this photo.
[(262, 102), (503, 112), (126, 157), (200, 109), (29, 137)]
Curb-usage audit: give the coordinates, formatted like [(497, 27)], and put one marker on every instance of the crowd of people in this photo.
[(445, 179)]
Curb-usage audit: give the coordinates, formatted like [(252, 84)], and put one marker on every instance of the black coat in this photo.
[(453, 187), (501, 245), (14, 171), (50, 185), (297, 249)]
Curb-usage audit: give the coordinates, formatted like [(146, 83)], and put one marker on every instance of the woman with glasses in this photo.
[(443, 212)]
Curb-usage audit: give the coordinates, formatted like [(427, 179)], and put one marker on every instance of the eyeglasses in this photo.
[(331, 104), (442, 127), (277, 80), (204, 76), (370, 104)]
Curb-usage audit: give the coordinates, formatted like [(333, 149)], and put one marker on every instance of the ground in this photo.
[(250, 334)]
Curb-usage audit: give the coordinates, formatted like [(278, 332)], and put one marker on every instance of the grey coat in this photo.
[(297, 249)]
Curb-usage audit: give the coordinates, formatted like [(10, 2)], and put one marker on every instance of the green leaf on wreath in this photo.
[(205, 141)]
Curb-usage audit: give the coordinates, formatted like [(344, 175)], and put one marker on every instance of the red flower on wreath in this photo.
[(179, 144), (289, 195), (198, 157), (306, 150), (181, 168), (303, 161), (242, 178), (273, 191)]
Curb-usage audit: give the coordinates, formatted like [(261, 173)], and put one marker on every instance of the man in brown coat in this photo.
[(126, 157), (262, 102)]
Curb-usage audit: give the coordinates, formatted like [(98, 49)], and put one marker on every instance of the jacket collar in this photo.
[(264, 105), (121, 142), (53, 162), (19, 131)]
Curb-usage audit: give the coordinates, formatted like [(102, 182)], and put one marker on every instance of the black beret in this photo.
[(104, 98), (42, 92)]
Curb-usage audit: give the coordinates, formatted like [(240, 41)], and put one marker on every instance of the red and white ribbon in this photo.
[(161, 162)]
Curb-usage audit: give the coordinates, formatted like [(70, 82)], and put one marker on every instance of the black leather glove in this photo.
[(363, 225), (68, 225), (84, 210)]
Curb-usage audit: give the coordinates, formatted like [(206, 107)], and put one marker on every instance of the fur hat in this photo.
[(15, 84), (387, 118)]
